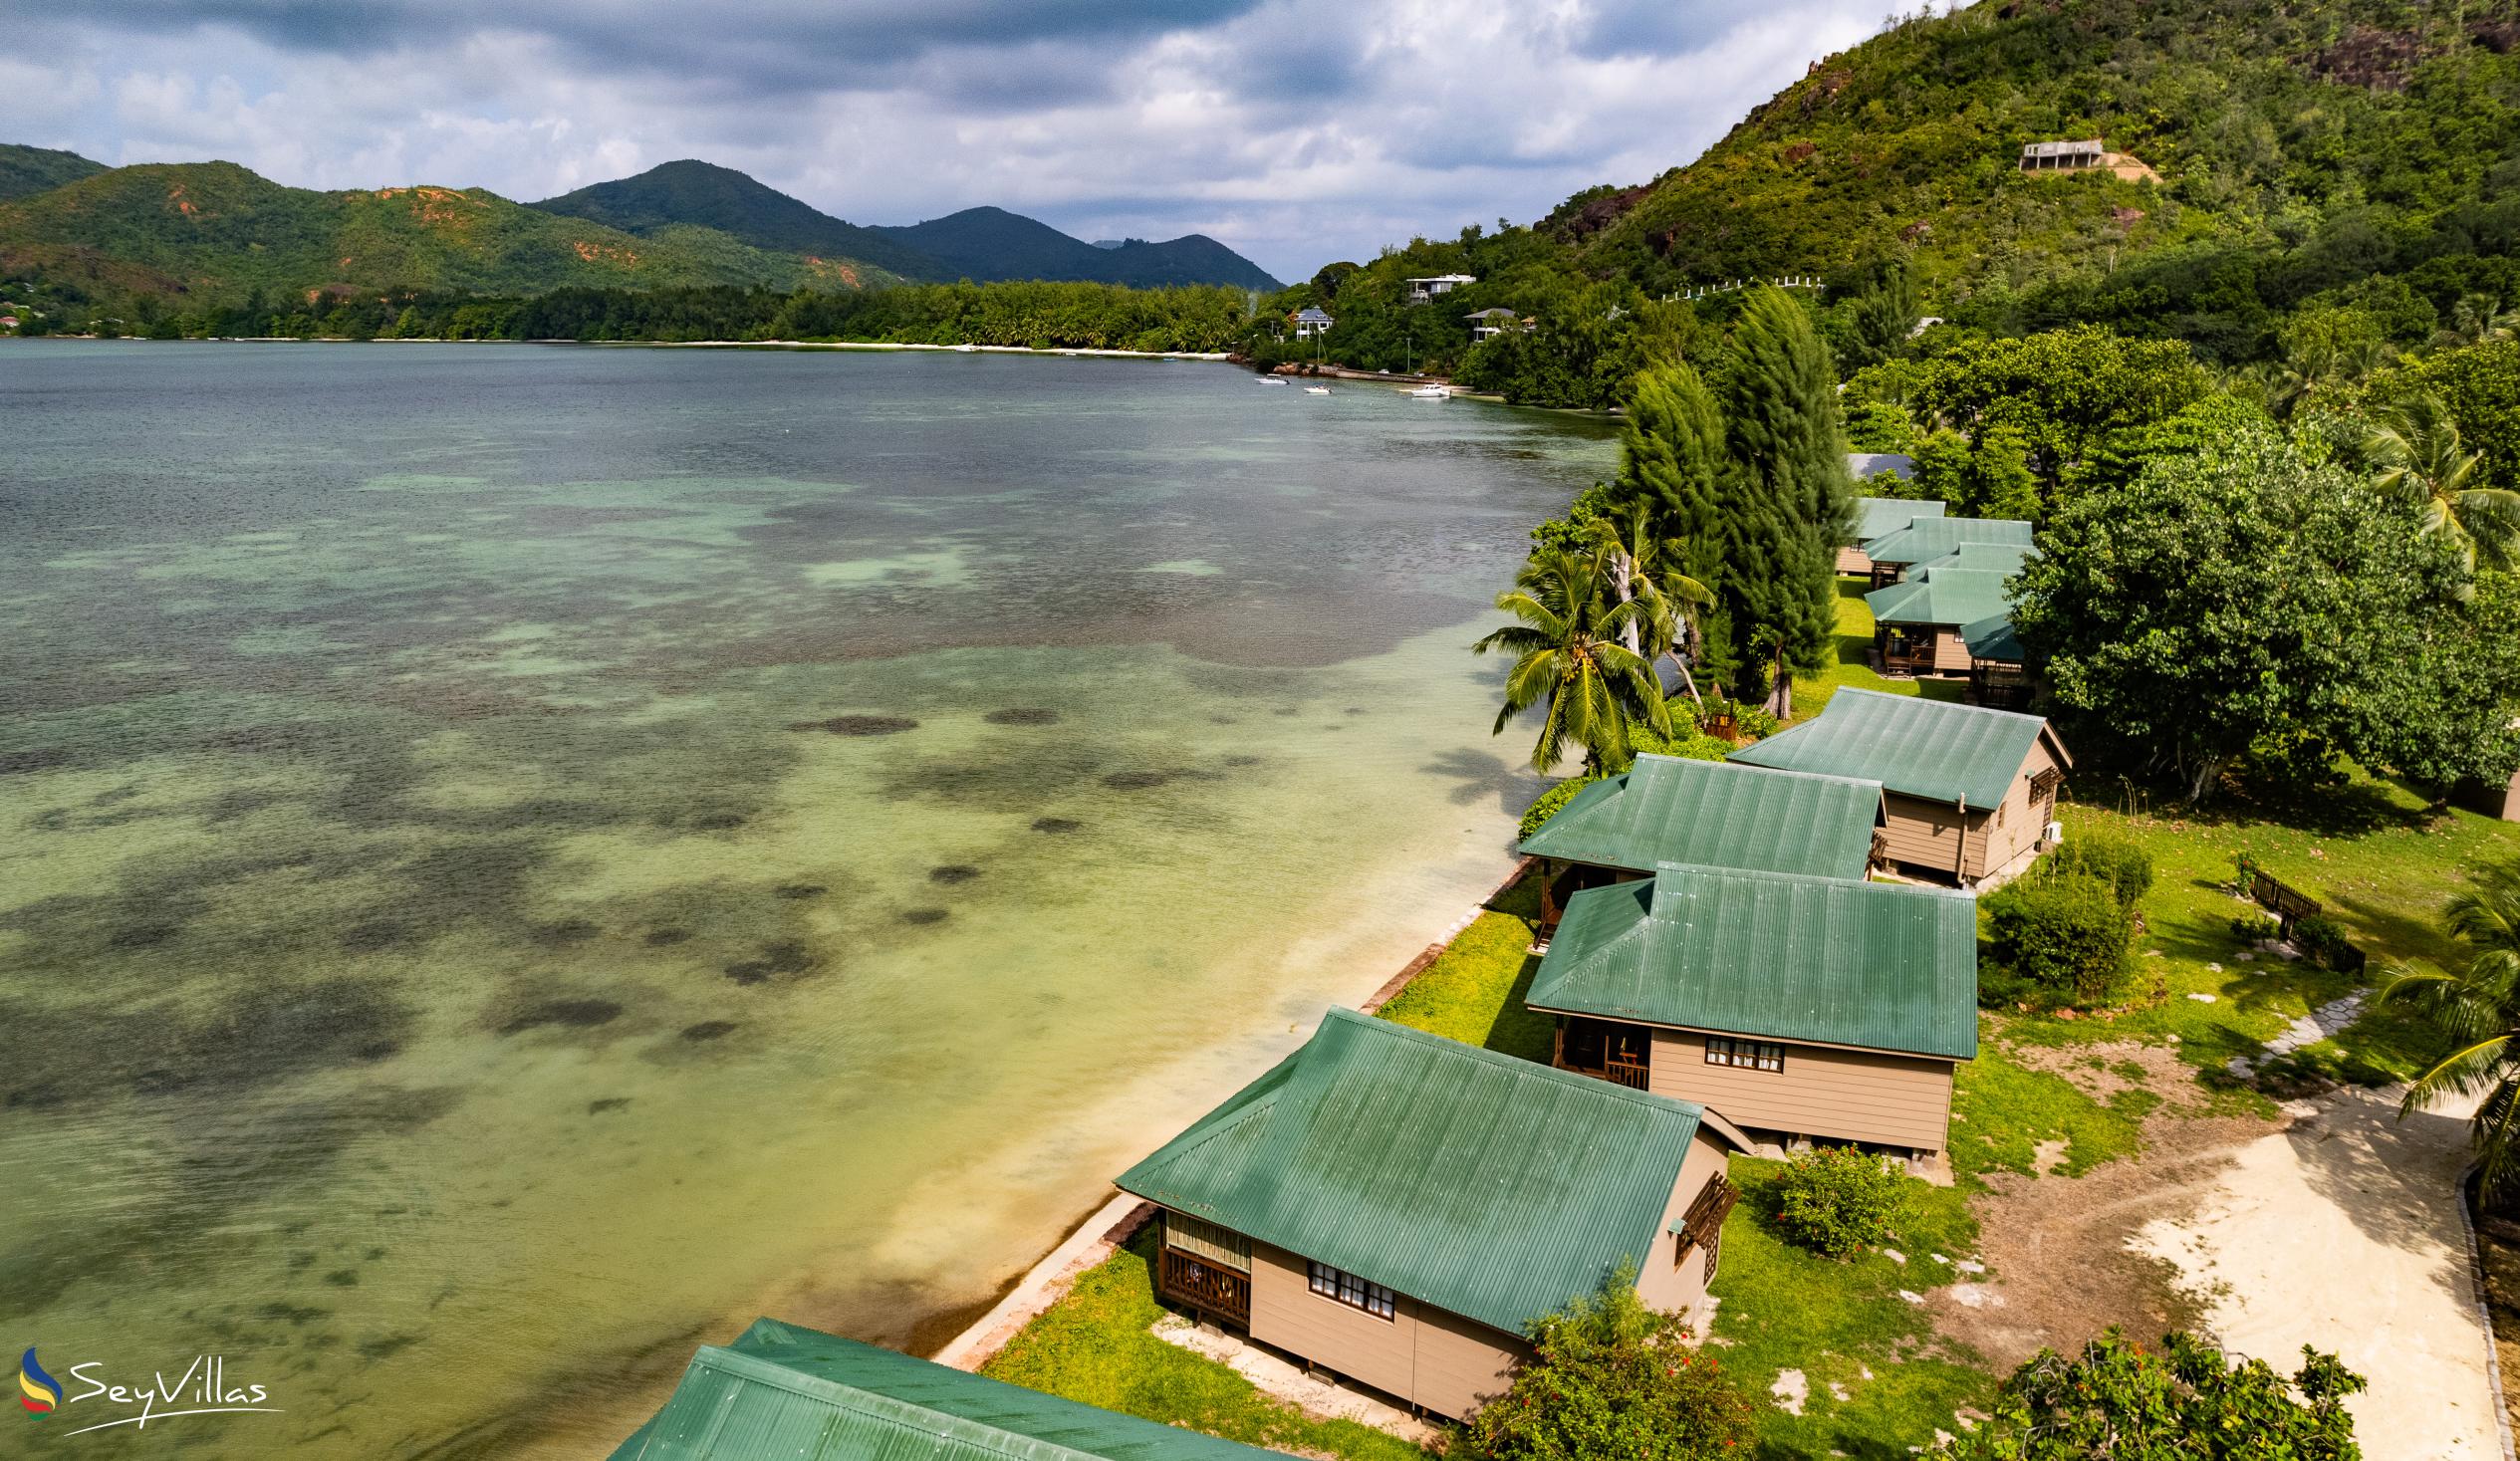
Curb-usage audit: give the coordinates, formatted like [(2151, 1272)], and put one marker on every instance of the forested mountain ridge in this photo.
[(985, 244), (2314, 154), (690, 192), (216, 231), (26, 170)]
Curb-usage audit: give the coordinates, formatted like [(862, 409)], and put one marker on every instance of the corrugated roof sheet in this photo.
[(801, 1395), (1942, 595), (1924, 748), (1474, 1182), (1993, 639), (1878, 965), (1669, 810), (1926, 539), (1876, 517), (2005, 556)]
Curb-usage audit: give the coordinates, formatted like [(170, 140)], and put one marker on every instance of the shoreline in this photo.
[(1053, 352)]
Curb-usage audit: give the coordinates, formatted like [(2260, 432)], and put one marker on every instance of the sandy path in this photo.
[(2342, 1231)]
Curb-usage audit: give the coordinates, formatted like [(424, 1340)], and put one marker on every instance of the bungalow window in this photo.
[(1751, 1055), (1353, 1292)]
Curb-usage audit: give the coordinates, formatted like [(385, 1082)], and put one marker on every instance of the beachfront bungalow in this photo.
[(786, 1391), (1928, 538), (1666, 809), (1969, 792), (1427, 287), (1395, 1207), (1878, 516), (1801, 1008), (1312, 320)]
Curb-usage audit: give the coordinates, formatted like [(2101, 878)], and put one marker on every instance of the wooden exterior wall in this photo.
[(1852, 561), (2494, 798), (1926, 836), (1849, 1094), (1669, 1277)]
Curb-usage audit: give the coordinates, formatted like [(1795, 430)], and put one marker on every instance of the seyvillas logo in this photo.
[(39, 1393), (203, 1388)]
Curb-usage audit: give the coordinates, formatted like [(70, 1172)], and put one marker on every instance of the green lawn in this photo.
[(1854, 666), (1475, 992), (1095, 1345)]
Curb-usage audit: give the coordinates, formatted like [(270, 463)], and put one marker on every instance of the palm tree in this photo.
[(2477, 1010), (2475, 320), (1568, 653), (1643, 570), (2416, 447)]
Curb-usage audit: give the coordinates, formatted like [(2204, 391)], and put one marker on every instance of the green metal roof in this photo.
[(2003, 557), (1923, 748), (1876, 516), (1666, 809), (1927, 539), (1993, 639), (1878, 965), (1940, 595), (801, 1395), (1474, 1181)]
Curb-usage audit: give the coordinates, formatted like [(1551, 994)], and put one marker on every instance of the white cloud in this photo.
[(1296, 130)]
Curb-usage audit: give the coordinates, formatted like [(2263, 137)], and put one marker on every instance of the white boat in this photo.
[(1433, 390), (1316, 391), (1273, 380)]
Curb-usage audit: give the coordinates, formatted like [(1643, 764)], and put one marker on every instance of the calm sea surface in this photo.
[(514, 860)]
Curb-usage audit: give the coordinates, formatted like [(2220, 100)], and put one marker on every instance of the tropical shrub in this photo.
[(1551, 800), (2256, 928), (1838, 1200), (2475, 1010), (2065, 932), (1611, 1380), (2119, 861), (2323, 938), (2185, 1401)]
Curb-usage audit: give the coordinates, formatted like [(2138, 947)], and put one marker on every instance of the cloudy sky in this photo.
[(1296, 131)]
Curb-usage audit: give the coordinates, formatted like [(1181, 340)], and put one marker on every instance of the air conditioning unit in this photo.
[(2055, 832)]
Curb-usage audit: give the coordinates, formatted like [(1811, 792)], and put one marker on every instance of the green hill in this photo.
[(984, 244), (692, 192), (215, 230), (2260, 122), (28, 170)]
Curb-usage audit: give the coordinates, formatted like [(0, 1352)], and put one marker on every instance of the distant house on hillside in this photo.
[(1667, 809), (1929, 537), (1425, 288), (786, 1391), (1969, 792), (2062, 156), (1799, 1007), (1490, 323), (1312, 320), (1878, 516), (1396, 1207)]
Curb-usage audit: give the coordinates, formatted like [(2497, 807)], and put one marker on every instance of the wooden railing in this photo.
[(1626, 1072), (1187, 1279)]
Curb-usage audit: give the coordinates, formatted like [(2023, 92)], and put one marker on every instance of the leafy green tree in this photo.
[(2185, 1403), (2068, 392), (1787, 502), (1838, 1201), (2064, 932), (1570, 661), (2477, 318), (2480, 384), (1613, 1380), (2476, 1011), (1881, 318), (2247, 600), (2422, 462), (1878, 425)]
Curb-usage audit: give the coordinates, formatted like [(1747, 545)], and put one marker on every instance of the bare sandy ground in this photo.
[(2342, 1231)]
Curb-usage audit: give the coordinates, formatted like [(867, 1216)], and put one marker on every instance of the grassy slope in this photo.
[(1854, 667), (216, 230)]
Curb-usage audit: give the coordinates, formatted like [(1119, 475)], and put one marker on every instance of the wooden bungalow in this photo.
[(1969, 792), (1799, 1007), (788, 1391), (1926, 539), (1878, 516), (1395, 1207), (1999, 668), (1666, 809), (1920, 625)]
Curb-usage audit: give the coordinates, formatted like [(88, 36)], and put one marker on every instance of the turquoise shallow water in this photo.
[(518, 858)]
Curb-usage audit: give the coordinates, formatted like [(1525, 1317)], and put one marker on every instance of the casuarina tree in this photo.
[(1787, 502)]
